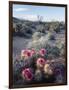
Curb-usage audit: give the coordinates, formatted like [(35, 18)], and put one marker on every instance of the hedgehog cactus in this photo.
[(38, 75), (48, 70), (27, 74), (33, 66), (40, 62)]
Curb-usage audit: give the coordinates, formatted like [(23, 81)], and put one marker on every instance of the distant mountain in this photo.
[(16, 20)]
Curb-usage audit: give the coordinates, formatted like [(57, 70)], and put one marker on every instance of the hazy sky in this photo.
[(30, 12)]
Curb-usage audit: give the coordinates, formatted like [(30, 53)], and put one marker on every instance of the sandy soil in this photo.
[(19, 43)]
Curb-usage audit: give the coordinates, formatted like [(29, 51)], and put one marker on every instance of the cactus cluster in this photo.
[(33, 66)]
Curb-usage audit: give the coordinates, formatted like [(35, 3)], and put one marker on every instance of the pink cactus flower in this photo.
[(23, 52), (32, 51), (42, 52), (27, 74), (26, 53), (41, 62)]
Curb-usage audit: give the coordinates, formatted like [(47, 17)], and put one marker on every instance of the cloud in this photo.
[(21, 9), (33, 17), (27, 17)]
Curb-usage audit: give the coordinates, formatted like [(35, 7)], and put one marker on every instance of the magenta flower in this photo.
[(26, 53), (42, 52), (32, 51), (40, 62), (23, 52), (27, 74)]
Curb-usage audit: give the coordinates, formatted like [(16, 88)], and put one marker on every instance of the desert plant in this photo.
[(41, 28), (52, 37), (39, 18), (55, 51), (38, 75), (34, 66), (54, 26), (37, 35), (39, 40), (18, 27)]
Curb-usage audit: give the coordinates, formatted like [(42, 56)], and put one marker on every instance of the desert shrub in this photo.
[(52, 37), (55, 51), (23, 29), (46, 26), (41, 28), (18, 27), (54, 26), (57, 30), (62, 25), (33, 26), (26, 29), (18, 30), (60, 44), (62, 50), (40, 18), (37, 35), (52, 52), (29, 31), (39, 40)]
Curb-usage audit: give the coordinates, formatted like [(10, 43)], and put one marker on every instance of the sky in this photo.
[(30, 12)]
